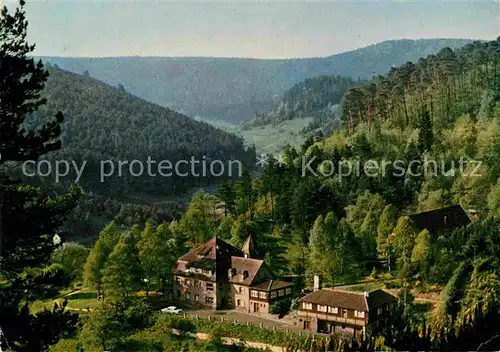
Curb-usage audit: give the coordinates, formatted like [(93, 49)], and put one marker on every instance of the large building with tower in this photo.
[(219, 276)]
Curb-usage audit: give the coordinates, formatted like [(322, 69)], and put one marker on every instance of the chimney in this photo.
[(474, 214), (317, 283)]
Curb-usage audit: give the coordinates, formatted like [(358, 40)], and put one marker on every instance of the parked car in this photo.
[(171, 310)]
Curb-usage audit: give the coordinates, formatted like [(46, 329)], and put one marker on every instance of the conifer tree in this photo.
[(227, 195), (426, 135), (28, 217), (122, 274), (402, 239), (421, 249), (96, 261), (147, 247), (384, 229)]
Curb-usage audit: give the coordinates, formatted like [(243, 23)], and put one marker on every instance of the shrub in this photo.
[(281, 307)]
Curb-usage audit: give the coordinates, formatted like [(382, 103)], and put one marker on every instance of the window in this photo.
[(207, 272), (273, 294), (240, 290), (344, 313), (322, 308), (188, 296), (238, 303), (307, 305), (210, 287), (196, 283), (263, 295), (288, 290), (254, 293), (333, 310), (209, 300), (281, 293), (379, 310), (359, 314), (188, 282), (196, 298), (307, 325)]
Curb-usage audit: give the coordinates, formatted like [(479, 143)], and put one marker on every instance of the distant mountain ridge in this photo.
[(232, 89)]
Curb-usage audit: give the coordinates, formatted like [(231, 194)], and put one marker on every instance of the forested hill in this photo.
[(316, 97), (102, 122), (232, 89)]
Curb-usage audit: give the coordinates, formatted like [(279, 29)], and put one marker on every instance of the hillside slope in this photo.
[(105, 123), (232, 89)]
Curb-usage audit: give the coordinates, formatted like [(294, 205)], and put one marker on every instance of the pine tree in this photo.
[(317, 247), (169, 246), (402, 239), (96, 261), (227, 194), (384, 229), (199, 221), (147, 254), (122, 274), (157, 253), (245, 196), (21, 85), (421, 249), (426, 135), (368, 232), (28, 217)]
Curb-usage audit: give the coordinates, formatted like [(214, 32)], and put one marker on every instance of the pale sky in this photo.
[(277, 29)]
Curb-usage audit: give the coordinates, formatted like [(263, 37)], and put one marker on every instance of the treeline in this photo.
[(95, 211), (121, 263), (445, 85), (314, 97), (105, 123)]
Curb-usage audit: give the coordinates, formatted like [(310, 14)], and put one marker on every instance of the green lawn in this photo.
[(269, 138), (79, 300)]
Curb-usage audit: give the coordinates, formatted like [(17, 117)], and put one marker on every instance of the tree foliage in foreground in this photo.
[(29, 218)]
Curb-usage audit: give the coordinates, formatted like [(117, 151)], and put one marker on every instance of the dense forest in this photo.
[(316, 97), (232, 89), (346, 226), (106, 123), (351, 226), (307, 215)]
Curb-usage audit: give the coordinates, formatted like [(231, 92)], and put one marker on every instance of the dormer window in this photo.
[(245, 275)]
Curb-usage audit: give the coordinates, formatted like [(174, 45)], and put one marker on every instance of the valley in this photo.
[(208, 204)]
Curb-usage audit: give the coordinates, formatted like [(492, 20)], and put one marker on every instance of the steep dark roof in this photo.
[(213, 249), (271, 285), (348, 299), (224, 260), (440, 220), (213, 254), (240, 265)]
